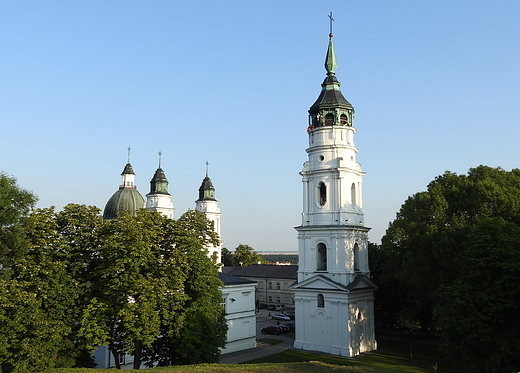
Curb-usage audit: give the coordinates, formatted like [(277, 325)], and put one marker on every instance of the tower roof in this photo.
[(128, 170), (206, 190), (330, 96), (159, 183)]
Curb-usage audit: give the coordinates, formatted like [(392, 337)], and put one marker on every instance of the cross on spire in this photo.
[(207, 164), (160, 154), (129, 148), (331, 20)]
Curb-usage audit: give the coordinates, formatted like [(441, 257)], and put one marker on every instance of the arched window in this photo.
[(353, 194), (343, 119), (356, 258), (322, 257), (329, 119), (322, 188), (320, 301)]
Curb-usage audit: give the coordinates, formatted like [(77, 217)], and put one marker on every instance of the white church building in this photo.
[(238, 294), (333, 294)]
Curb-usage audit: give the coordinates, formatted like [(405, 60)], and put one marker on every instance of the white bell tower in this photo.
[(208, 205), (334, 294), (159, 199)]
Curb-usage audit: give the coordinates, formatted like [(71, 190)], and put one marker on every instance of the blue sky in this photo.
[(435, 86)]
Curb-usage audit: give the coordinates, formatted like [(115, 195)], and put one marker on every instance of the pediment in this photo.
[(321, 282)]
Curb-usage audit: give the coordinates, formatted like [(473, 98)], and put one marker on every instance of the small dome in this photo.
[(125, 199)]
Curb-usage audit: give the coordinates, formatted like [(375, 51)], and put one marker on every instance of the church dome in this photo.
[(125, 199)]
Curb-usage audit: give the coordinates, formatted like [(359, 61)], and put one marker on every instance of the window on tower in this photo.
[(356, 258), (322, 257), (353, 194), (343, 119), (322, 188), (320, 301), (329, 119)]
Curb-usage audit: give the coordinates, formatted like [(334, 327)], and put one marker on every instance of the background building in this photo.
[(273, 282)]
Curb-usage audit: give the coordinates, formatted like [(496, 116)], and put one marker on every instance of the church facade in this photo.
[(333, 293)]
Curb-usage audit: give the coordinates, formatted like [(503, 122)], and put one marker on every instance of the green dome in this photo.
[(125, 199)]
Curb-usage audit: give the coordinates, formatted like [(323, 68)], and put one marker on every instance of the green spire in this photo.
[(330, 60)]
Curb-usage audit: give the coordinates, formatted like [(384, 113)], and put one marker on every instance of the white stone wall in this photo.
[(239, 302)]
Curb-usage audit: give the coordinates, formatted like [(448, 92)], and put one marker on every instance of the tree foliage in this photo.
[(430, 249), (204, 329), (243, 256), (81, 282), (15, 205)]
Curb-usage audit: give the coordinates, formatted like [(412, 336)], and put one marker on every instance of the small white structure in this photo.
[(238, 297), (334, 294)]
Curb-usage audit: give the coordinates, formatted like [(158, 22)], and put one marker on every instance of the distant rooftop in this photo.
[(264, 270)]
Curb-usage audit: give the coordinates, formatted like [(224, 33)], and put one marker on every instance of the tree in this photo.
[(203, 330), (137, 275), (245, 256), (428, 242), (15, 205), (480, 311), (390, 294), (228, 258), (81, 282), (44, 301)]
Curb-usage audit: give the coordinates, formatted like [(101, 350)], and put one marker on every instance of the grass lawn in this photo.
[(391, 357)]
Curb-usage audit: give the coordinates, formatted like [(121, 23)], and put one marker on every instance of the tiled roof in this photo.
[(233, 280), (265, 271)]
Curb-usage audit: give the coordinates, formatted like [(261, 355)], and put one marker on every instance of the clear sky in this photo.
[(435, 86)]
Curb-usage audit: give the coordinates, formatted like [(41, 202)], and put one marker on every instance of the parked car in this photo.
[(271, 307), (290, 326), (285, 329), (261, 306), (281, 316), (276, 330), (280, 307), (292, 315)]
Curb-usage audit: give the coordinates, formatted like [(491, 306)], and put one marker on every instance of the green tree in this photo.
[(245, 256), (390, 294), (428, 243), (15, 205), (46, 292), (480, 311), (135, 274), (204, 328), (228, 258), (432, 226)]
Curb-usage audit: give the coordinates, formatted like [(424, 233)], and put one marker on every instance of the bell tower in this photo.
[(334, 294), (207, 204), (159, 199)]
